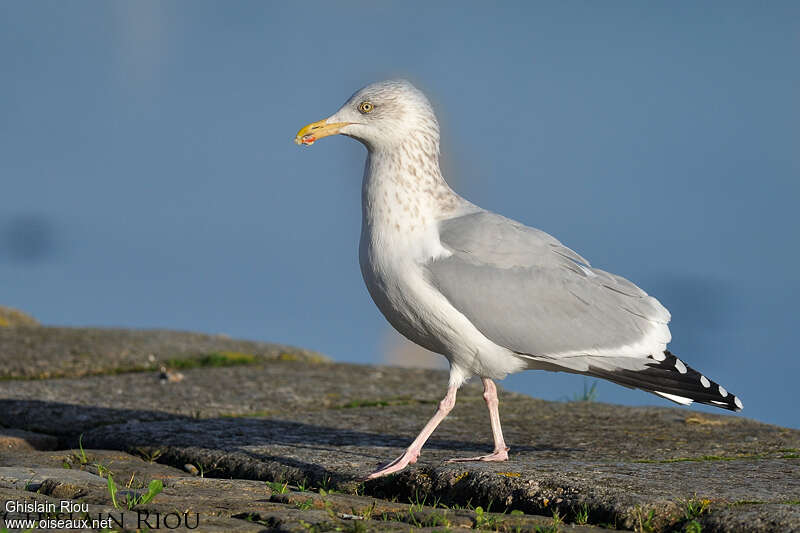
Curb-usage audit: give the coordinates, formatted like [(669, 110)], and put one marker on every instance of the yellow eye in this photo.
[(366, 107)]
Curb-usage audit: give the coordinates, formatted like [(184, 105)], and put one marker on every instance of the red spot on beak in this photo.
[(309, 139)]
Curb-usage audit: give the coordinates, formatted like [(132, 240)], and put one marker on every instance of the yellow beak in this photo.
[(317, 130)]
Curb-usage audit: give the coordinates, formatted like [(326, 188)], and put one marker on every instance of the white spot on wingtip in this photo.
[(738, 402), (679, 366), (659, 356), (722, 391), (704, 382), (675, 398)]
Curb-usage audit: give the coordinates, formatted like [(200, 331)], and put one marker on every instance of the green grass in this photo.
[(82, 456), (582, 515), (554, 527)]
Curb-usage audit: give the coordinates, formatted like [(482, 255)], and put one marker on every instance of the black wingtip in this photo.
[(698, 387), (671, 378)]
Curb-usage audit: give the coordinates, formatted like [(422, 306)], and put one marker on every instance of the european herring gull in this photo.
[(489, 293)]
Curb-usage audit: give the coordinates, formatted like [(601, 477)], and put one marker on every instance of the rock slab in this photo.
[(279, 440)]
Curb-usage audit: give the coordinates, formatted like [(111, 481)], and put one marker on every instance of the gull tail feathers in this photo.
[(664, 375), (668, 377)]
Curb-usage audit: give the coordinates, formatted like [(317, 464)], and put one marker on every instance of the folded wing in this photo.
[(527, 292)]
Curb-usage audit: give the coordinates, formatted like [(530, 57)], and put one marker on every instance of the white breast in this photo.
[(399, 235)]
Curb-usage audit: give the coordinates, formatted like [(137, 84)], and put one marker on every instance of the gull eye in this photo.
[(365, 107)]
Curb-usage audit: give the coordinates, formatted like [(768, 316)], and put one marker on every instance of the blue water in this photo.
[(149, 178)]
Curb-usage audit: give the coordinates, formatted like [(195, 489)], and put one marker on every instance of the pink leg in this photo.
[(412, 452), (500, 452)]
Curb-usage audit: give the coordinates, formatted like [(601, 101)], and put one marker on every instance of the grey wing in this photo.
[(527, 292)]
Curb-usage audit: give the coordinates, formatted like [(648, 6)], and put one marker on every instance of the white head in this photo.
[(383, 116)]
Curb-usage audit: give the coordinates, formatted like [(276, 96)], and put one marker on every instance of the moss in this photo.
[(509, 474), (459, 477), (10, 318), (215, 359), (402, 400), (703, 421), (746, 502), (701, 458), (253, 414)]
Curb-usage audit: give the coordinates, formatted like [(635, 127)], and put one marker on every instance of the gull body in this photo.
[(490, 294)]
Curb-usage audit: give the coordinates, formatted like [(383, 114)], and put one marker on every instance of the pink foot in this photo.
[(495, 456), (409, 457)]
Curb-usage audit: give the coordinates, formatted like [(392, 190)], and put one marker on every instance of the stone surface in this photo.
[(17, 439), (46, 352), (230, 504), (280, 388), (238, 444)]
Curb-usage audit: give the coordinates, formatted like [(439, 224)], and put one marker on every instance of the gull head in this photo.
[(383, 116)]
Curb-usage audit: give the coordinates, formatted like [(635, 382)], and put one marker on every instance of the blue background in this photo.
[(149, 177)]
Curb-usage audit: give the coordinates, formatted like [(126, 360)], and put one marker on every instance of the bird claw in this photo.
[(495, 456), (408, 457)]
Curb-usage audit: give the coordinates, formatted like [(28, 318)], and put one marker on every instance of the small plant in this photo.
[(306, 505), (277, 487), (302, 486), (418, 504), (102, 470), (132, 500), (325, 484), (483, 520), (437, 519), (553, 527), (589, 393), (149, 455), (695, 508), (367, 512), (82, 457), (153, 489), (693, 527), (582, 515), (557, 520), (644, 522), (112, 490)]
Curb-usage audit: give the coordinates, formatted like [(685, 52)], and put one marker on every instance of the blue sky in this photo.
[(150, 180)]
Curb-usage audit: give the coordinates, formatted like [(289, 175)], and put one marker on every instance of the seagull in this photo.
[(490, 294)]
